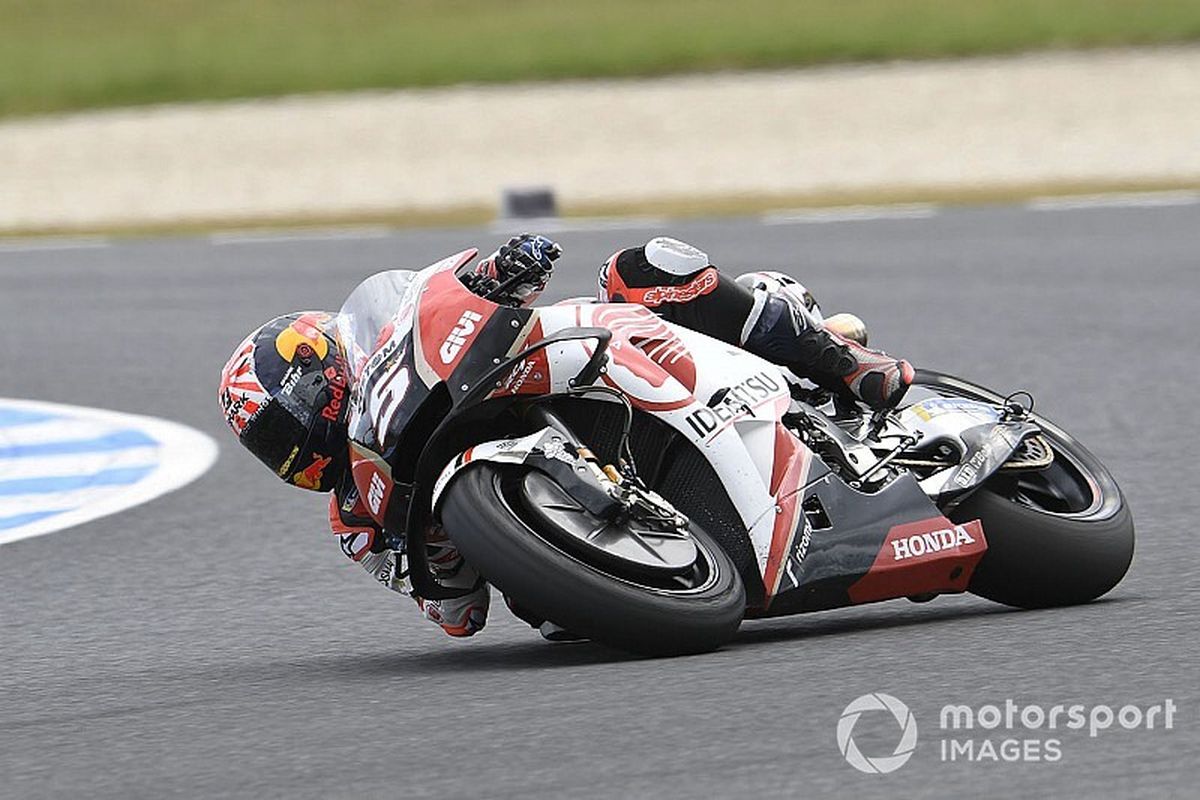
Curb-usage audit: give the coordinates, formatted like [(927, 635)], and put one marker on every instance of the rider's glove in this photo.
[(530, 256)]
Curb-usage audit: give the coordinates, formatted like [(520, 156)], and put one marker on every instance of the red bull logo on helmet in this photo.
[(336, 381), (310, 477)]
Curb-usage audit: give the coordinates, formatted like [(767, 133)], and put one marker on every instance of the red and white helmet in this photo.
[(285, 394)]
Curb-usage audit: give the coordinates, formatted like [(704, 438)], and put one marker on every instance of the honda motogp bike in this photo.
[(648, 487)]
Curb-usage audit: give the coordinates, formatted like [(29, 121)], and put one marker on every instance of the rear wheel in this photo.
[(1056, 536), (628, 583)]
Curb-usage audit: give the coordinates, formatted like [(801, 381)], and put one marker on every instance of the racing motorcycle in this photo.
[(648, 487)]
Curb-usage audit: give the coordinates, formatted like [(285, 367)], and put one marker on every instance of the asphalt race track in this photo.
[(215, 642)]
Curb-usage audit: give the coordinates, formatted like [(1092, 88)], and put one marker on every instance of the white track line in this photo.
[(38, 245), (1114, 200), (809, 216), (300, 235)]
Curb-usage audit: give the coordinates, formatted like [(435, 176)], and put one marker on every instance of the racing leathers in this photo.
[(766, 313)]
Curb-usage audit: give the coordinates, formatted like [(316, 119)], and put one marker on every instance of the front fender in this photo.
[(546, 450), (977, 430)]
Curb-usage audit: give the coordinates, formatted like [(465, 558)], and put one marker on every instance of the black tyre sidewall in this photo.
[(580, 598), (1036, 560)]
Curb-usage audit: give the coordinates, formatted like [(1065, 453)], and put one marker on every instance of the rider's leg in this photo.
[(676, 281), (790, 322), (783, 335), (848, 326), (678, 284)]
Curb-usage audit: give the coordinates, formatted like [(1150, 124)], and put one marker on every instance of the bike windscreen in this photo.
[(371, 306)]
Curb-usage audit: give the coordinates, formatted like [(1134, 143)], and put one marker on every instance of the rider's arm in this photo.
[(362, 540)]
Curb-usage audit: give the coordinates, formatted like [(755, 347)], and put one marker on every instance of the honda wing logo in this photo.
[(458, 337), (932, 542)]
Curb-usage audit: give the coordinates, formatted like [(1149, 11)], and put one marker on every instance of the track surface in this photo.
[(216, 643)]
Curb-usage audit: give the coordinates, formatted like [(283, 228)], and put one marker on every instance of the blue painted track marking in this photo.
[(121, 476), (117, 440), (64, 465)]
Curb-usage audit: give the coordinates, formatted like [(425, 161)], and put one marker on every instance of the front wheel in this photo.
[(1056, 536), (551, 556)]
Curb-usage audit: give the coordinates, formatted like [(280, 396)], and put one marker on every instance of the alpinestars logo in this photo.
[(458, 337), (703, 284), (932, 542)]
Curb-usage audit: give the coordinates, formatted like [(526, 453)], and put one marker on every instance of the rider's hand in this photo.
[(530, 250), (528, 255)]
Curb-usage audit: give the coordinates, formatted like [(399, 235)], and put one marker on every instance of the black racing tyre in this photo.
[(486, 511), (1058, 536), (1034, 560)]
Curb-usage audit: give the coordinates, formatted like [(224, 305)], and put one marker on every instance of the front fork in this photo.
[(620, 484), (607, 476)]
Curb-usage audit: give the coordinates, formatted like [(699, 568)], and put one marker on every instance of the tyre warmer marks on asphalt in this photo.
[(62, 465)]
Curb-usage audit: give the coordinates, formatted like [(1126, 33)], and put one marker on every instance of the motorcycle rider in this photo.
[(285, 389)]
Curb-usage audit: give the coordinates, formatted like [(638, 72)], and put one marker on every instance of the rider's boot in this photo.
[(788, 335), (556, 633), (549, 631)]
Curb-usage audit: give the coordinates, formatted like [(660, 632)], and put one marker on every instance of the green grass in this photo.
[(58, 55)]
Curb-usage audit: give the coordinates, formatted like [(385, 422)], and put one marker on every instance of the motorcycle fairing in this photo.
[(764, 466), (793, 467), (844, 554), (928, 556), (458, 334), (730, 404), (440, 334)]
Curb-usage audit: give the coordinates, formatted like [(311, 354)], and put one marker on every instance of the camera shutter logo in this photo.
[(882, 764)]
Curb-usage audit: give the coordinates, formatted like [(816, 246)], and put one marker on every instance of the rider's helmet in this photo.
[(285, 393)]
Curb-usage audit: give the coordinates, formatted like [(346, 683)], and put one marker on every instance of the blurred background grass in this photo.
[(62, 55)]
